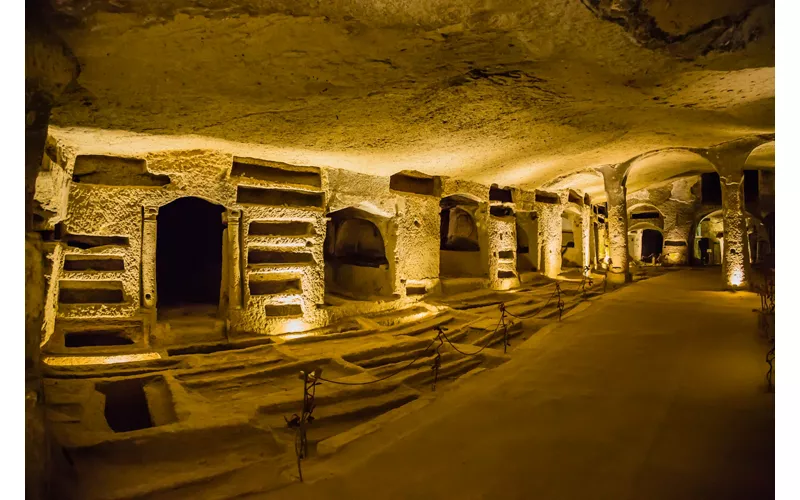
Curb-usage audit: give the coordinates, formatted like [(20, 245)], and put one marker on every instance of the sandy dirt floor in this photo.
[(656, 391)]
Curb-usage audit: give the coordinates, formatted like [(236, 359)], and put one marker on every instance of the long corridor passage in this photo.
[(656, 391)]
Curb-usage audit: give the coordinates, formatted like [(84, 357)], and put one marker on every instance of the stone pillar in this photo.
[(550, 238), (148, 263), (235, 269), (735, 256), (586, 235), (614, 178)]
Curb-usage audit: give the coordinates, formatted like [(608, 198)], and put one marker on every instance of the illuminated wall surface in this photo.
[(214, 190)]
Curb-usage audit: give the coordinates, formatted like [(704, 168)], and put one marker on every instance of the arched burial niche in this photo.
[(355, 254), (527, 241), (460, 254), (189, 258)]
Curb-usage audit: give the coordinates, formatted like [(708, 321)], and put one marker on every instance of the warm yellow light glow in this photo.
[(737, 277), (99, 360), (295, 325)]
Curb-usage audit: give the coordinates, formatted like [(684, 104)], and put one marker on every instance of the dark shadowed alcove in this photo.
[(189, 254)]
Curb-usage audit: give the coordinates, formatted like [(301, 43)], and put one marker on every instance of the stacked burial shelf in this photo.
[(91, 279), (281, 270)]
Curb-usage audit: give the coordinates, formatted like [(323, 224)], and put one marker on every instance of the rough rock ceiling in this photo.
[(516, 92)]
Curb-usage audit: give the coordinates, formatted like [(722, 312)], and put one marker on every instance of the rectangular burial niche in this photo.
[(505, 254), (500, 194), (269, 285), (646, 215), (283, 310), (575, 198), (270, 228), (413, 182), (96, 338), (115, 171), (189, 257), (265, 256), (90, 292), (550, 199), (87, 241), (277, 172), (126, 406), (416, 290), (500, 211), (76, 262), (506, 274), (246, 195), (672, 243)]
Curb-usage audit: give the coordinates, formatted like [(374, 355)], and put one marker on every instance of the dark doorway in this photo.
[(189, 254), (652, 244)]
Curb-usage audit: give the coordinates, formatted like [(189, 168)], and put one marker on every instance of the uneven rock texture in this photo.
[(513, 92)]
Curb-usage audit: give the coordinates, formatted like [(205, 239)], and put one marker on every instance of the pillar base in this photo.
[(618, 278)]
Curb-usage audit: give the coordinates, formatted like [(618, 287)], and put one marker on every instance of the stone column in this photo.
[(735, 256), (550, 238), (586, 234), (148, 263), (614, 178), (235, 270)]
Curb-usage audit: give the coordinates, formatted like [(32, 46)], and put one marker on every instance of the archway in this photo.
[(652, 245), (355, 255), (460, 254), (709, 239), (189, 258)]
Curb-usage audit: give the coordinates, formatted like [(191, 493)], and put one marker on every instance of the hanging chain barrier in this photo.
[(560, 303), (437, 360), (315, 378), (299, 422)]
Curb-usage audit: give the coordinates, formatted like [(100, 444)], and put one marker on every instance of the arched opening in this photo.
[(645, 243), (527, 242), (571, 247), (189, 258), (355, 256), (459, 254), (652, 245), (709, 240)]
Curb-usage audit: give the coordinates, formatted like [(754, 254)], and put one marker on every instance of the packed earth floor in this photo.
[(654, 390)]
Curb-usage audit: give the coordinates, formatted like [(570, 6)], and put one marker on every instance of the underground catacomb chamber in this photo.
[(459, 249), (189, 255), (355, 254)]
